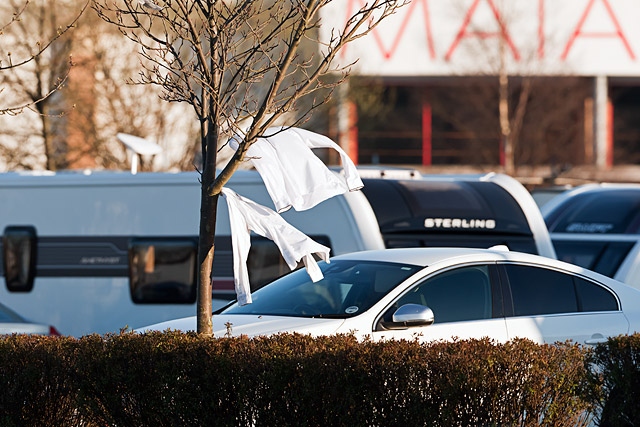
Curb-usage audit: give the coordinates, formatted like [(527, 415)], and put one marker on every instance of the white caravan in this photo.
[(95, 252)]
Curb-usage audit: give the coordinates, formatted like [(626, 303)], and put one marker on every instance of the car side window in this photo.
[(453, 296), (537, 291), (592, 297)]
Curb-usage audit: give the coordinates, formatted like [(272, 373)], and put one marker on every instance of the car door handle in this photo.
[(596, 339)]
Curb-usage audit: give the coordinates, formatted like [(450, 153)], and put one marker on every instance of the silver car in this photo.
[(12, 323)]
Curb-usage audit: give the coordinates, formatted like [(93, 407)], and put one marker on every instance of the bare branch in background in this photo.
[(35, 61), (19, 11)]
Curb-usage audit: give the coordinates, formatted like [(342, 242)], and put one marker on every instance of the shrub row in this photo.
[(174, 379)]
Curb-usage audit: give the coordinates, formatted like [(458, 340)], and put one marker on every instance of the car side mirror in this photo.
[(413, 315)]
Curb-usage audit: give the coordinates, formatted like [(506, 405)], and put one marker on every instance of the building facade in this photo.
[(478, 81)]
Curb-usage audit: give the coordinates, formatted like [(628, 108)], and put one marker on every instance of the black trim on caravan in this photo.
[(86, 222), (161, 269)]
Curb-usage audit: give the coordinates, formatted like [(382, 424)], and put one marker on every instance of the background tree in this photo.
[(73, 113), (496, 98), (240, 65), (35, 59), (515, 98), (105, 104)]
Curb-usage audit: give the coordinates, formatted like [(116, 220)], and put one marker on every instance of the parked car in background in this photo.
[(597, 226), (434, 294), (12, 323)]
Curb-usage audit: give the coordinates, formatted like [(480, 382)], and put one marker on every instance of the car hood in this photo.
[(185, 324), (252, 325), (23, 328)]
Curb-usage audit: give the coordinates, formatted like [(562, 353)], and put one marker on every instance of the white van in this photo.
[(597, 226), (95, 252)]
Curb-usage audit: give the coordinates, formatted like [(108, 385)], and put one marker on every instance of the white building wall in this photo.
[(462, 37)]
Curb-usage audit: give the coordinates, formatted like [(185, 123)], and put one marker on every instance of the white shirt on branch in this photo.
[(293, 174), (246, 216)]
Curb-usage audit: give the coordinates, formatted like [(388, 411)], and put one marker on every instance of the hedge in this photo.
[(174, 379)]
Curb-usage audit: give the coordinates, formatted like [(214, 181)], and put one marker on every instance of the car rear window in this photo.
[(592, 297), (615, 211), (538, 291)]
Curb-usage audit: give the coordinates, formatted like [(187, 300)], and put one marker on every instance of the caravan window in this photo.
[(19, 257), (163, 270), (446, 206), (265, 263)]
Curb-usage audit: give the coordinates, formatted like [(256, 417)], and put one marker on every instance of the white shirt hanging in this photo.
[(293, 174), (246, 216)]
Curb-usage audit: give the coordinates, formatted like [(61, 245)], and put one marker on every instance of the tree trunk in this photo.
[(208, 214), (206, 247), (505, 128), (49, 147)]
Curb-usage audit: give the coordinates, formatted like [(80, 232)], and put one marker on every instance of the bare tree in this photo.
[(493, 42), (19, 10), (35, 61), (105, 104), (239, 64), (517, 67), (74, 109)]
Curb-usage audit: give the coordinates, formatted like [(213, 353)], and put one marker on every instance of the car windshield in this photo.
[(348, 288)]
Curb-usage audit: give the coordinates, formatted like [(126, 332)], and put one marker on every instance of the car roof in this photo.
[(423, 256), (427, 256)]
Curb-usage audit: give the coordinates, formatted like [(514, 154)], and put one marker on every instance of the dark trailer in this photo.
[(469, 210)]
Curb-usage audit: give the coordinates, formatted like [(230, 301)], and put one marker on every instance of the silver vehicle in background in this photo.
[(12, 323), (597, 226)]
